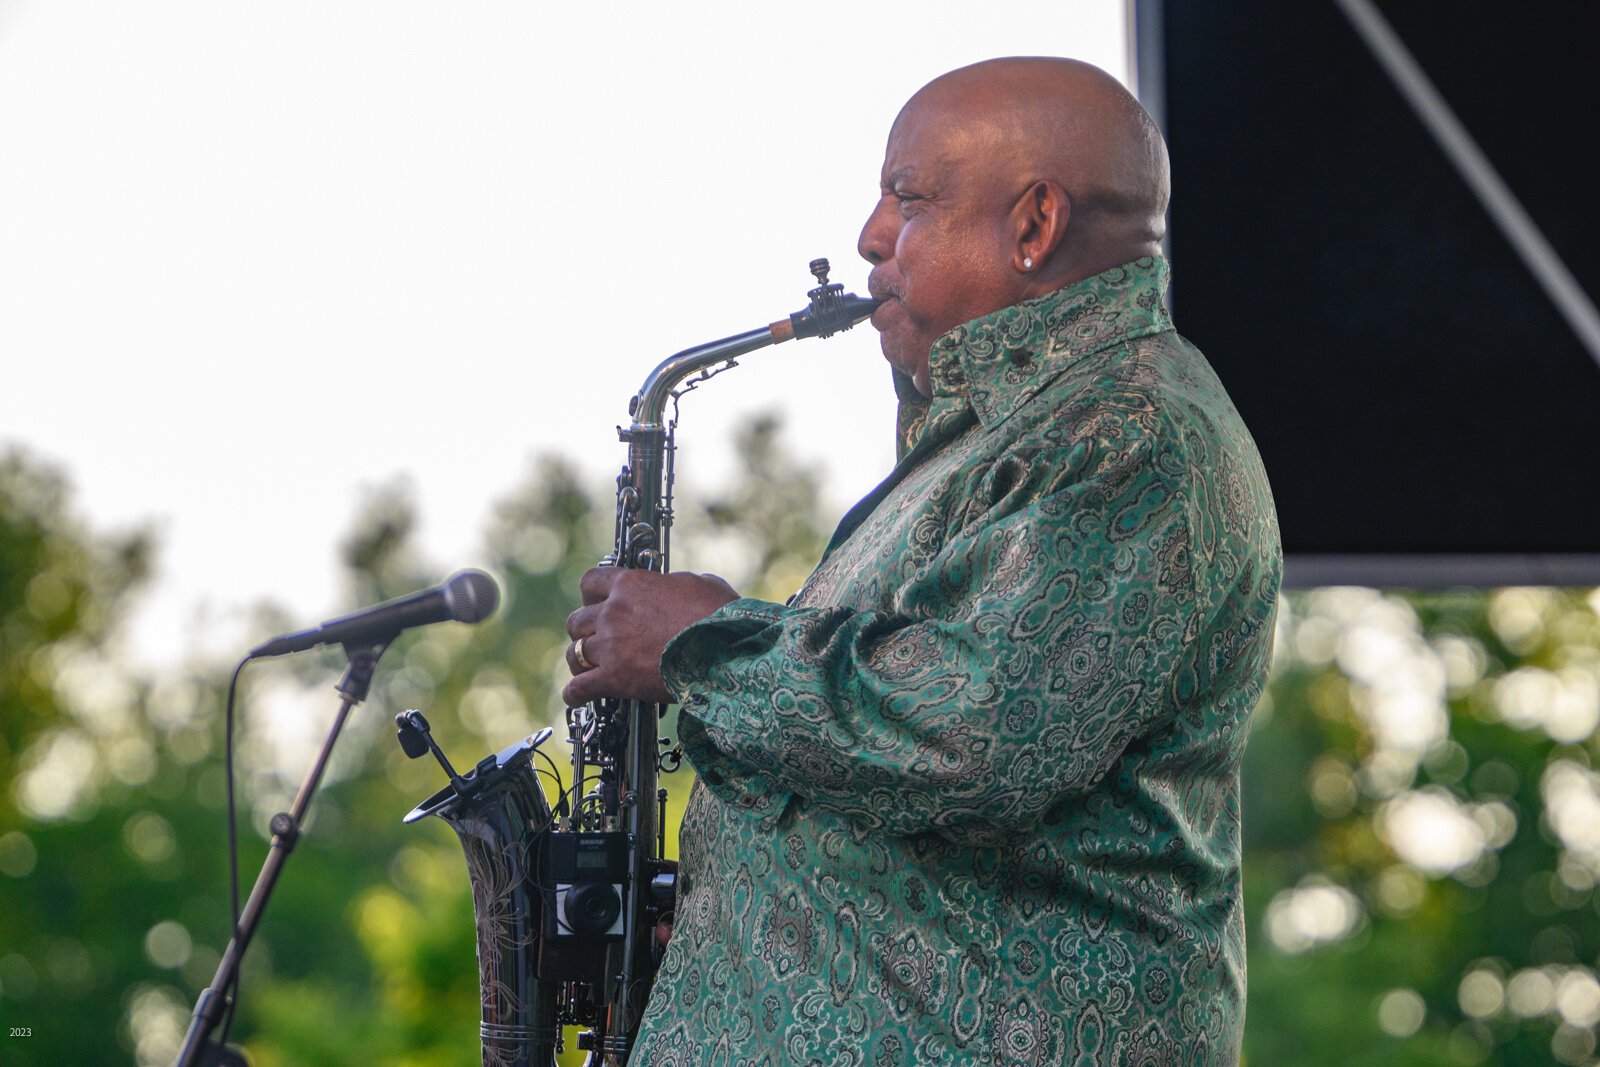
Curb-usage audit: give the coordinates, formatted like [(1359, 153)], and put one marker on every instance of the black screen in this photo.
[(1410, 385)]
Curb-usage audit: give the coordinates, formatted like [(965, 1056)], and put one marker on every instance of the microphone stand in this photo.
[(198, 1051)]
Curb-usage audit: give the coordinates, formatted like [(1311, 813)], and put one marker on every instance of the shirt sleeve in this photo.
[(1009, 673)]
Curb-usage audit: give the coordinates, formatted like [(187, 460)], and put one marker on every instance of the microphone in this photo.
[(468, 596)]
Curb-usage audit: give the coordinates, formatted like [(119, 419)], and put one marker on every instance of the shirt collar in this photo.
[(994, 364)]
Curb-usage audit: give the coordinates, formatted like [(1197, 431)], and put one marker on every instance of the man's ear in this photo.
[(1039, 221)]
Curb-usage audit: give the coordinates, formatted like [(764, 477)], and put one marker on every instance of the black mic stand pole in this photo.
[(198, 1051)]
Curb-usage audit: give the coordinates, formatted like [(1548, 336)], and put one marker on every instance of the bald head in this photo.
[(1003, 181), (1044, 118)]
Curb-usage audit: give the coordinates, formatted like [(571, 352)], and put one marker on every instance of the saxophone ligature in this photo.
[(566, 896)]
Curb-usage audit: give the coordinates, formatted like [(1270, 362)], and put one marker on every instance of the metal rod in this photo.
[(286, 831), (1497, 198)]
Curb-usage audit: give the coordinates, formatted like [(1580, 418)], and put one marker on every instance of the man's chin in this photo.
[(903, 366), (918, 375), (891, 343)]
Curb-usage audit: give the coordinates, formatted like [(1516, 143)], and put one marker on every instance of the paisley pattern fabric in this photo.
[(971, 797)]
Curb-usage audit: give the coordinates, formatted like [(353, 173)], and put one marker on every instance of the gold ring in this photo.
[(577, 652)]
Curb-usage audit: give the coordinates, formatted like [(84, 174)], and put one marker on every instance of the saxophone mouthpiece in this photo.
[(831, 309)]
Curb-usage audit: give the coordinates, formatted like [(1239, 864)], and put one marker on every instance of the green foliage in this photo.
[(366, 952), (762, 532), (1422, 832), (81, 772)]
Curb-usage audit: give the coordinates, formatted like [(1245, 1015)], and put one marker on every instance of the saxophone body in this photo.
[(499, 813), (567, 896)]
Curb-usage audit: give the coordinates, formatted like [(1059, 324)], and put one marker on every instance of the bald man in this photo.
[(971, 796)]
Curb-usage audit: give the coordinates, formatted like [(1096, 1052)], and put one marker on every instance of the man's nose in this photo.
[(876, 242)]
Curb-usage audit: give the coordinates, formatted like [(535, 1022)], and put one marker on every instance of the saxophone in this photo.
[(566, 897)]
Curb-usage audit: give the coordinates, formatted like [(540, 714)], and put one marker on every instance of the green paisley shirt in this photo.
[(972, 795)]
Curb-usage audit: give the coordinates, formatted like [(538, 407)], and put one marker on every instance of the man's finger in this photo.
[(581, 690), (595, 585), (583, 622)]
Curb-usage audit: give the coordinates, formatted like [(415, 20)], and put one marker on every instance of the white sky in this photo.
[(257, 256)]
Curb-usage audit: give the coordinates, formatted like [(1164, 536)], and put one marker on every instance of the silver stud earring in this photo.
[(1027, 262)]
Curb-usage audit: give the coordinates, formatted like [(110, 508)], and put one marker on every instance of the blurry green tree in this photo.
[(1422, 831), (1422, 819), (366, 952)]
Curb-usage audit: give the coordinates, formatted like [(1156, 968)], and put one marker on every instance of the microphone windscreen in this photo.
[(471, 596)]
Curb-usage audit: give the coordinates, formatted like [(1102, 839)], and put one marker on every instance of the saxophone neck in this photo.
[(648, 407), (830, 311)]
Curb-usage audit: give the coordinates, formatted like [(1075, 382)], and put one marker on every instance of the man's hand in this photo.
[(627, 618)]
